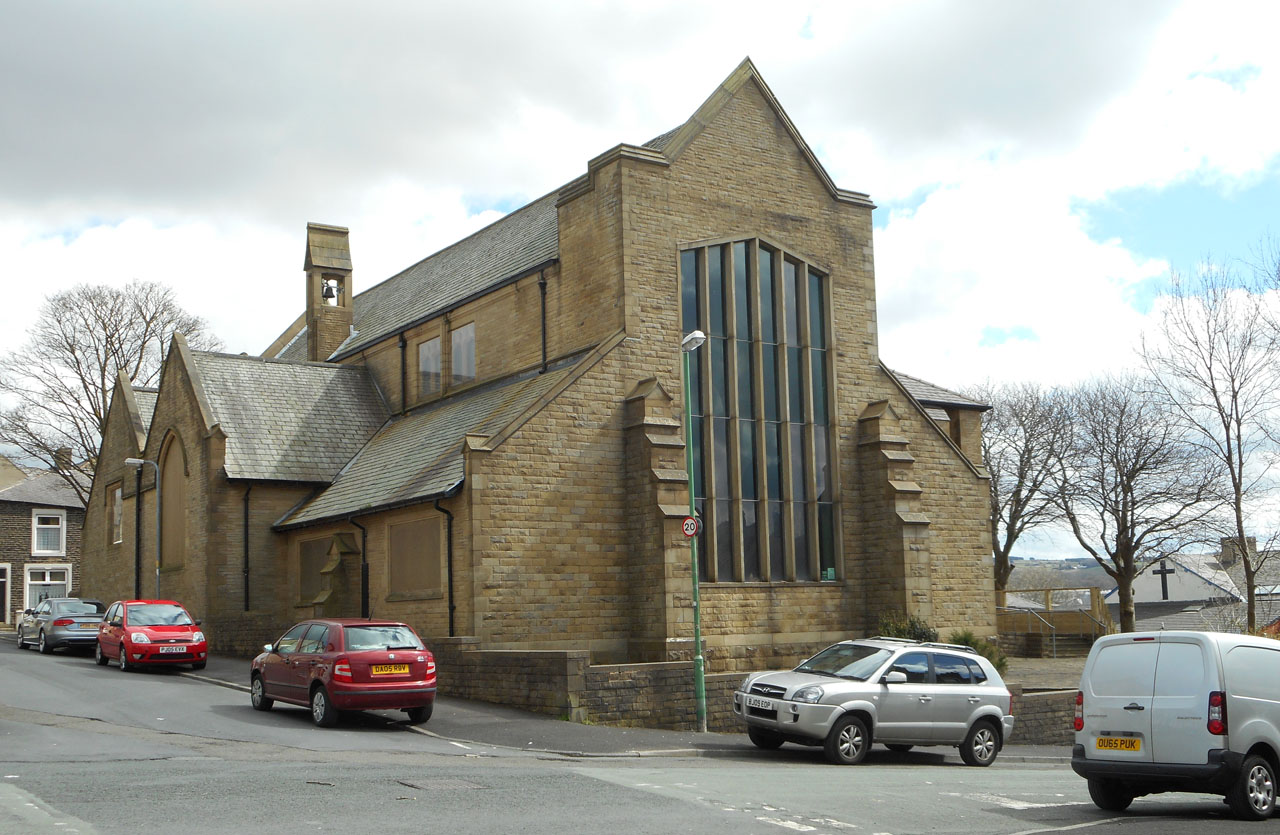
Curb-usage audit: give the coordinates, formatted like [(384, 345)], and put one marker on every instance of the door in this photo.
[(1119, 688), (4, 593), (956, 697), (278, 676), (310, 657), (110, 630), (904, 712), (1179, 711)]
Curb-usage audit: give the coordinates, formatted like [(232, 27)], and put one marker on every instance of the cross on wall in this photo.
[(1163, 573)]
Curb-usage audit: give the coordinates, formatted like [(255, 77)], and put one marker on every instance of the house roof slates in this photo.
[(929, 394), (42, 488)]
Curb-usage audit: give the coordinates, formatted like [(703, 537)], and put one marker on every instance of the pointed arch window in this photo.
[(173, 511)]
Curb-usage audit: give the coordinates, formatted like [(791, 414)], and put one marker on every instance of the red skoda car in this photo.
[(340, 664), (145, 632)]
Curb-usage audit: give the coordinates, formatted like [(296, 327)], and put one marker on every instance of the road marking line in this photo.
[(1018, 805), (1068, 828), (798, 827)]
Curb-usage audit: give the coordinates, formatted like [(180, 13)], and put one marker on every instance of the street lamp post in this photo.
[(135, 463), (688, 345)]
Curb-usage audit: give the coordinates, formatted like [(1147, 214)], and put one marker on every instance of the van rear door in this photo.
[(1118, 689), (1185, 673)]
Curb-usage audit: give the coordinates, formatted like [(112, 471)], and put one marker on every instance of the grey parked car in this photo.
[(61, 622), (896, 692)]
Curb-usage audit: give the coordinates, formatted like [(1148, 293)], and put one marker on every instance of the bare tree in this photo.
[(1213, 358), (1022, 439), (1131, 485), (59, 383)]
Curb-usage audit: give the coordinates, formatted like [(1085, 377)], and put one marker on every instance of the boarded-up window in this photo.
[(173, 513), (414, 549), (312, 557)]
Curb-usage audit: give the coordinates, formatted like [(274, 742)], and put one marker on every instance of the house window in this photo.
[(429, 368), (414, 555), (115, 515), (45, 581), (462, 356), (49, 533), (760, 413), (313, 555)]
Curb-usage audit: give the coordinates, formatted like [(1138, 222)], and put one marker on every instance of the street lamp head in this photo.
[(693, 341), (134, 462)]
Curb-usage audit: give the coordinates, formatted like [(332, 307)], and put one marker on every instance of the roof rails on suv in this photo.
[(913, 641)]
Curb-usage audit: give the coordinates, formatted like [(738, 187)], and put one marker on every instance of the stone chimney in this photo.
[(62, 459), (328, 269), (1231, 554)]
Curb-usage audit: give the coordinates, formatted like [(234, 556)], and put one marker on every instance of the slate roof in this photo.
[(146, 399), (44, 489), (419, 456), (289, 421), (930, 395)]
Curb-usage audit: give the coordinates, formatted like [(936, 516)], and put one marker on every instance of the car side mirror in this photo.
[(117, 622), (28, 611), (197, 621), (268, 647), (894, 677)]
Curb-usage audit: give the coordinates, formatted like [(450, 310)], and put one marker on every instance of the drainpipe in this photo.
[(542, 292), (247, 490), (403, 398), (448, 560), (137, 534), (364, 569)]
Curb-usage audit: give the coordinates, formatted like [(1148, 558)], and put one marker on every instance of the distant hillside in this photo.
[(1058, 574)]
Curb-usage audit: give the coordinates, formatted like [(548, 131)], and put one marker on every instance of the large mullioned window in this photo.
[(760, 408)]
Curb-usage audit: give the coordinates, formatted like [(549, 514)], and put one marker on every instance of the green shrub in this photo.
[(986, 649), (901, 625)]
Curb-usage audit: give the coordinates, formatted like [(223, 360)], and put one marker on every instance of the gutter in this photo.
[(364, 568), (449, 560)]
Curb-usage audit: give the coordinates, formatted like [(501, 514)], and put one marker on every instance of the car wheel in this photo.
[(1109, 795), (418, 715), (899, 748), (258, 695), (761, 738), (124, 660), (848, 741), (22, 642), (1253, 794), (980, 745), (199, 665), (98, 657), (42, 644), (322, 710)]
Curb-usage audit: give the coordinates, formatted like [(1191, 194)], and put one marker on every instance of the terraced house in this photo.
[(489, 444)]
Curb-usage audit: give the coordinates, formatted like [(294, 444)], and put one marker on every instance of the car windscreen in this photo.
[(846, 661), (158, 614), (357, 638), (79, 607)]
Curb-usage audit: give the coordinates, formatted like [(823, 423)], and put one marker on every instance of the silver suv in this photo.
[(893, 691)]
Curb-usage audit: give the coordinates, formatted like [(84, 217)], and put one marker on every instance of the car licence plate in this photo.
[(1119, 743), (164, 650), (756, 701), (389, 669)]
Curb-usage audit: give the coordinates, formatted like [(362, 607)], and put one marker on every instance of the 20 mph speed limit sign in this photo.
[(691, 526)]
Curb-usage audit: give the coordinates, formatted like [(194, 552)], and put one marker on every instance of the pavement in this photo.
[(480, 723)]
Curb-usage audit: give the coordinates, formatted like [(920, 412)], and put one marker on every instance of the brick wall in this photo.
[(15, 549), (1044, 718)]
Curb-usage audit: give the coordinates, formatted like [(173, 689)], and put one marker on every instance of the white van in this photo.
[(1180, 711)]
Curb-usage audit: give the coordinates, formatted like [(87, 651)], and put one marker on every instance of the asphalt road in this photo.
[(89, 749)]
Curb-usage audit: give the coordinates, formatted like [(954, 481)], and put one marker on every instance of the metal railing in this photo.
[(1053, 630)]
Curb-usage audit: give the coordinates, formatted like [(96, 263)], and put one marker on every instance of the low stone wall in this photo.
[(1044, 718), (564, 683)]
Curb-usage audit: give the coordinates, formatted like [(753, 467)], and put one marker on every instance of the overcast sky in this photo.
[(1039, 167)]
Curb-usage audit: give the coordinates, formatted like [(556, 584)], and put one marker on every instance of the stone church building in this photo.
[(489, 444)]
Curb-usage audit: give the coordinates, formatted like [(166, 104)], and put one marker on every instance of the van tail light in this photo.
[(1078, 724), (63, 622), (1217, 723), (342, 669)]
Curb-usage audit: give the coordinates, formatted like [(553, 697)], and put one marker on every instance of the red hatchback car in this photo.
[(146, 632), (331, 665)]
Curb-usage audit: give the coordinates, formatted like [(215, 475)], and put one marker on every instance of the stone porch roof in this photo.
[(931, 395), (287, 421)]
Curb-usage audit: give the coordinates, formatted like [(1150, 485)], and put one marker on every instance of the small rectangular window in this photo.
[(115, 520), (462, 355), (429, 368), (48, 533)]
